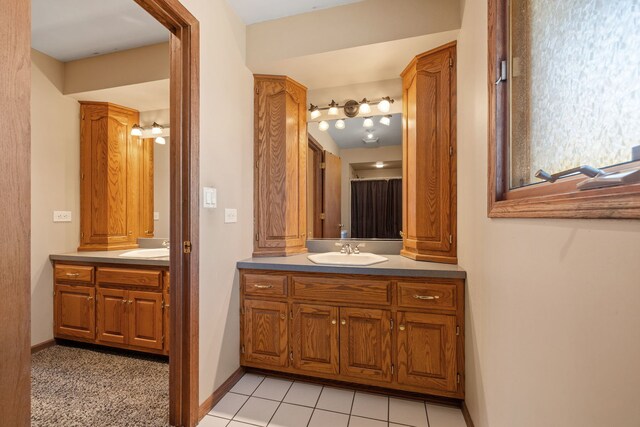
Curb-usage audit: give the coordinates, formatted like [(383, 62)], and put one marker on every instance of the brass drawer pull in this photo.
[(343, 322), (261, 286), (426, 297), (73, 274)]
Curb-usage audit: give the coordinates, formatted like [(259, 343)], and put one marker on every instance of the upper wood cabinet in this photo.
[(429, 156), (147, 224), (280, 154), (115, 181)]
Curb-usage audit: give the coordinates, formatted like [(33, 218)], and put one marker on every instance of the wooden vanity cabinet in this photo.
[(125, 307), (390, 332)]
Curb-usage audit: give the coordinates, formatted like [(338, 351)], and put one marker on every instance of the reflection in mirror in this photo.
[(354, 178)]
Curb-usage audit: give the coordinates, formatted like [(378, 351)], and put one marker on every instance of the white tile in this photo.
[(371, 406), (291, 416), (228, 405), (366, 422), (445, 416), (273, 388), (247, 384), (238, 424), (209, 421), (257, 411), (322, 418), (408, 412), (304, 394), (335, 399)]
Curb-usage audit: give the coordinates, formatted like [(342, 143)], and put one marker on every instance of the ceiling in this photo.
[(351, 136), (73, 29), (389, 164), (254, 11)]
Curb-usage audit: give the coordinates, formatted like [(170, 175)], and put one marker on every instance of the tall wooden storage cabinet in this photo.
[(280, 154), (114, 179), (429, 156)]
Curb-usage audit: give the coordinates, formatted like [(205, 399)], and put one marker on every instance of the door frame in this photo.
[(318, 184), (15, 247)]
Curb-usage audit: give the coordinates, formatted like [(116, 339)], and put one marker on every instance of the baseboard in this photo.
[(211, 401), (466, 414), (39, 347)]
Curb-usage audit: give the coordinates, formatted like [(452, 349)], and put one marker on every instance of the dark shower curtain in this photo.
[(376, 209)]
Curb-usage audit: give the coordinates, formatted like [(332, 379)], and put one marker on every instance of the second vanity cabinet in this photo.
[(125, 307), (391, 332)]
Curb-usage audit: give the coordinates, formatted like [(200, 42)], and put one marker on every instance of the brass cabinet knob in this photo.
[(343, 322), (334, 321), (283, 316), (401, 327)]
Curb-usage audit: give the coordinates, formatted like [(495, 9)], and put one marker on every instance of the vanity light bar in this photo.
[(384, 105)]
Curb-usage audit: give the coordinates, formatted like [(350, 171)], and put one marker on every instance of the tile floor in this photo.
[(264, 401)]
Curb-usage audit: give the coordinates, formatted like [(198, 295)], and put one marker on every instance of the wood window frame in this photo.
[(544, 200)]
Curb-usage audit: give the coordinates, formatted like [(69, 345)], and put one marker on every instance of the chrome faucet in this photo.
[(346, 248)]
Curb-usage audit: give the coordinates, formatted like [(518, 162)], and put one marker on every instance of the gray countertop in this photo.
[(396, 266), (109, 257)]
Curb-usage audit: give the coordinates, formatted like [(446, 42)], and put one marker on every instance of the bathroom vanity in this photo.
[(106, 299), (396, 325)]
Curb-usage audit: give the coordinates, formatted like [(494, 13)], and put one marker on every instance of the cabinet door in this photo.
[(265, 332), (315, 338), (145, 319), (74, 311), (111, 316), (365, 343), (427, 350)]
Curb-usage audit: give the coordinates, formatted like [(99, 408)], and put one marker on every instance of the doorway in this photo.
[(15, 18)]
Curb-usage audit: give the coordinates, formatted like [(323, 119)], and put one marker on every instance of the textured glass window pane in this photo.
[(575, 84)]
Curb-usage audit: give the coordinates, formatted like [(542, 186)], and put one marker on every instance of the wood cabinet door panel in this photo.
[(144, 311), (365, 343), (265, 332), (111, 316), (315, 338), (74, 311), (427, 350)]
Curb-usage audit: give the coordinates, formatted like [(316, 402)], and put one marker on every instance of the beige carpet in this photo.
[(93, 387)]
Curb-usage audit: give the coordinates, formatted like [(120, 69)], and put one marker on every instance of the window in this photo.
[(567, 95)]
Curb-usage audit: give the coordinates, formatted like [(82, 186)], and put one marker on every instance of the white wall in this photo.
[(55, 184), (553, 306), (226, 159), (361, 155)]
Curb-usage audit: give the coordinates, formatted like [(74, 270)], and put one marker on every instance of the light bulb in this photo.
[(333, 108), (160, 140), (136, 130), (385, 105), (323, 125), (369, 135), (315, 112), (379, 165), (156, 129), (365, 108), (368, 122), (340, 124), (385, 120)]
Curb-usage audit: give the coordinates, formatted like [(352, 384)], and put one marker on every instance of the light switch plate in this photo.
[(156, 216), (209, 197), (61, 216), (230, 215)]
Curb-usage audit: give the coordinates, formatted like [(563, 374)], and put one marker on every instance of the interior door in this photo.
[(75, 311), (365, 343), (111, 315), (332, 196), (144, 312), (427, 350), (315, 338), (265, 332)]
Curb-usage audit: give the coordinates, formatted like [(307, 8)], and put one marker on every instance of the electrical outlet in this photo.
[(230, 215), (61, 216)]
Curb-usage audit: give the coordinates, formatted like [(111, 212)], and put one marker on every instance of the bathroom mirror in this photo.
[(354, 178)]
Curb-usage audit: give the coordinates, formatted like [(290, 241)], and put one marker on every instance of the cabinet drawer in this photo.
[(265, 284), (74, 273), (438, 295), (342, 290), (149, 279)]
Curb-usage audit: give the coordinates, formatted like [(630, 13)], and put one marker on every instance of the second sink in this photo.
[(337, 258)]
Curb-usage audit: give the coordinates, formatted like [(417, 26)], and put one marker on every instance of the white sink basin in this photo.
[(336, 258), (147, 253)]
